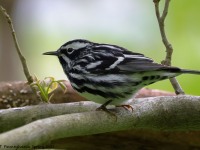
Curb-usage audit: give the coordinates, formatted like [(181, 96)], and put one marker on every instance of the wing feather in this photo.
[(105, 59)]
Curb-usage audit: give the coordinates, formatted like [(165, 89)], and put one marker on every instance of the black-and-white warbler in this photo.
[(109, 74)]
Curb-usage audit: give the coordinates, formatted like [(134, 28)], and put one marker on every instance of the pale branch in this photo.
[(161, 23), (22, 58), (16, 117), (165, 11), (174, 113), (177, 88), (13, 118), (168, 46)]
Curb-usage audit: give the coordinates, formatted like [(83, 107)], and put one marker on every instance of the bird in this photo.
[(109, 74)]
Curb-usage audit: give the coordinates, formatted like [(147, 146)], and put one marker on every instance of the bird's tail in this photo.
[(190, 71)]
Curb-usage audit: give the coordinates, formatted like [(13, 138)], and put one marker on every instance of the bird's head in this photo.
[(70, 51)]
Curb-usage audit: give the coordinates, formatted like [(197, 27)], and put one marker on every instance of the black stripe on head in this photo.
[(103, 48), (76, 40)]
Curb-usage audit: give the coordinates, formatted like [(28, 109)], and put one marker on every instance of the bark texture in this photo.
[(158, 115)]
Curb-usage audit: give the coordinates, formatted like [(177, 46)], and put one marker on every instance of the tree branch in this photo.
[(168, 46), (19, 94), (176, 113), (16, 117), (22, 58)]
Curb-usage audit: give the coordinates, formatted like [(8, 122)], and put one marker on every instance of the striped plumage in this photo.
[(104, 72)]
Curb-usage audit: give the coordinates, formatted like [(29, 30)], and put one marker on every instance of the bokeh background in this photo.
[(43, 25)]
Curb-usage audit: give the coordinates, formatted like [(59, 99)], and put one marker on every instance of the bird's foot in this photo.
[(127, 107)]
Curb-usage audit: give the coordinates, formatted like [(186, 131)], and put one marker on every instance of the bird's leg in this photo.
[(103, 106)]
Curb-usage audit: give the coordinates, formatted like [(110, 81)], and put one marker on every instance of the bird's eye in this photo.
[(70, 50)]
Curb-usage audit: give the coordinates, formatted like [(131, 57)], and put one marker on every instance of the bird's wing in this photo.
[(136, 62), (116, 60)]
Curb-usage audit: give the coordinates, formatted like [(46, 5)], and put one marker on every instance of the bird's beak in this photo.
[(51, 53)]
